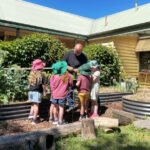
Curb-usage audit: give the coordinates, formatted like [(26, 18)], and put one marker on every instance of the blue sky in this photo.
[(90, 8)]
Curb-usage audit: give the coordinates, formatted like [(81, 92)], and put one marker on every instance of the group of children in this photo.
[(87, 85)]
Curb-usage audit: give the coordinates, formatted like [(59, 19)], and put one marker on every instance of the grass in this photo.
[(129, 138)]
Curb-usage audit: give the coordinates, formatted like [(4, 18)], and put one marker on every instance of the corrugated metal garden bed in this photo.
[(140, 108), (21, 110)]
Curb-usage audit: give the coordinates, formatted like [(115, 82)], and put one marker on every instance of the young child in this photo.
[(37, 87), (59, 85), (95, 88), (84, 85)]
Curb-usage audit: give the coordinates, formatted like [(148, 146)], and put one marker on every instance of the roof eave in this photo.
[(121, 31), (41, 29)]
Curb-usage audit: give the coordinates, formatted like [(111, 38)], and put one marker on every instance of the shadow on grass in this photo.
[(120, 142), (115, 141)]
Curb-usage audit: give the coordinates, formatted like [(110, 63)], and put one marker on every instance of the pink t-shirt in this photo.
[(59, 89), (85, 84)]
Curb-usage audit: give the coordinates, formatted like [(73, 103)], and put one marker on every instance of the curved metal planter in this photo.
[(105, 98), (138, 108)]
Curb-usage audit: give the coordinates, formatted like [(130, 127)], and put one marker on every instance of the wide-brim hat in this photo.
[(93, 64), (38, 64), (59, 67), (85, 69), (86, 73)]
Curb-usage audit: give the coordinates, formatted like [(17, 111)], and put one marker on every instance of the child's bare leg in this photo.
[(61, 113), (95, 107), (56, 112), (31, 110), (82, 109), (51, 111), (36, 110), (86, 106)]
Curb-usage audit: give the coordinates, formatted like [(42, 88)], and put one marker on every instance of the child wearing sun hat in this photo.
[(59, 85), (95, 67), (37, 88), (84, 87), (88, 84)]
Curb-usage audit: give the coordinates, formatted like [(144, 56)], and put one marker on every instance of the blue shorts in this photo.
[(34, 97), (60, 102)]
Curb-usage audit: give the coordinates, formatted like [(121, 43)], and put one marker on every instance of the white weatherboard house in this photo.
[(127, 31)]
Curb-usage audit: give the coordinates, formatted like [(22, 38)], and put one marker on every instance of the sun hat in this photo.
[(59, 67), (93, 64), (85, 69), (38, 64), (86, 73)]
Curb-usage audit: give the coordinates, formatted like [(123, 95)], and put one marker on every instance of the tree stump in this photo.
[(88, 129)]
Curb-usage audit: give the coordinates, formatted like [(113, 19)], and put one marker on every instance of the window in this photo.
[(145, 61)]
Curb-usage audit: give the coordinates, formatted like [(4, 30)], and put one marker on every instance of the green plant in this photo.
[(23, 51), (14, 84), (131, 84), (109, 61)]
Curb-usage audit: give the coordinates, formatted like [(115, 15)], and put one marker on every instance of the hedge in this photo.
[(24, 50), (108, 58)]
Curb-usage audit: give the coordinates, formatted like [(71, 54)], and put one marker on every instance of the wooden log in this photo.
[(88, 129), (43, 138), (106, 122), (124, 117), (38, 139)]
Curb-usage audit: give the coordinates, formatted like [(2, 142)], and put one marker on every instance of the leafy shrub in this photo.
[(24, 50), (109, 61), (14, 84)]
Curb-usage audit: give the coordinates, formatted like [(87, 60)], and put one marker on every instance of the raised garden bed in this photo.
[(140, 108), (13, 126), (105, 98), (21, 110)]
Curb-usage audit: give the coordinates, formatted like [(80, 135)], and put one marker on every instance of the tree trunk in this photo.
[(88, 129), (106, 122)]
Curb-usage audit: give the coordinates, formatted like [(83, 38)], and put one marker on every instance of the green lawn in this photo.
[(129, 138)]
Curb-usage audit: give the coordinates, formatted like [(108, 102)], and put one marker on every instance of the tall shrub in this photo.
[(24, 50), (109, 61)]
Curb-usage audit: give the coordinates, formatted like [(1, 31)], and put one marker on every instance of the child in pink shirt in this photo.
[(59, 84)]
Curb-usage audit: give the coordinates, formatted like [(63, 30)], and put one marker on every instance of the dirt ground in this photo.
[(19, 126)]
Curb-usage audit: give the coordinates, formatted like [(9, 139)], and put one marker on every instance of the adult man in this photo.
[(74, 58)]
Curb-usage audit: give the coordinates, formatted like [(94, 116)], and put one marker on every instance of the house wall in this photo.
[(125, 46)]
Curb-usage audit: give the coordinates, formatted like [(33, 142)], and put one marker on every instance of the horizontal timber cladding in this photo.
[(139, 109), (21, 110), (125, 46)]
